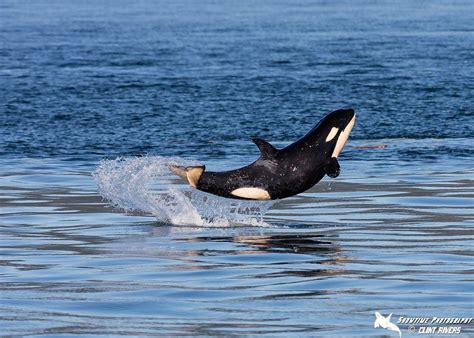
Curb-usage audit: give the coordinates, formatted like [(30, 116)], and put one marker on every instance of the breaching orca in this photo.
[(280, 173)]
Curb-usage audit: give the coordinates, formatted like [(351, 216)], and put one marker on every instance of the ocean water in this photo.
[(96, 236)]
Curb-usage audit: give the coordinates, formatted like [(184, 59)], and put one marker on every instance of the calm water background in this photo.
[(87, 80)]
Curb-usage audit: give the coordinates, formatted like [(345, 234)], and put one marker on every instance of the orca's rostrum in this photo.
[(280, 173)]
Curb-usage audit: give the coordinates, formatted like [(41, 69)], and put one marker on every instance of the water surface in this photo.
[(84, 82)]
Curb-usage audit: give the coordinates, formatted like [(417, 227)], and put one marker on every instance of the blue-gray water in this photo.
[(91, 80)]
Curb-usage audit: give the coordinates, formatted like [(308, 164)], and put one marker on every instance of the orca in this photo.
[(280, 173)]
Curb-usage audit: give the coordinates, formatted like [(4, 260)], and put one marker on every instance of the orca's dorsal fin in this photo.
[(267, 151)]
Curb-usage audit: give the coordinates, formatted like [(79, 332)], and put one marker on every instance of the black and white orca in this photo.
[(280, 173)]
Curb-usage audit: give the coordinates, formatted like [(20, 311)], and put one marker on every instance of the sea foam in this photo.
[(146, 184)]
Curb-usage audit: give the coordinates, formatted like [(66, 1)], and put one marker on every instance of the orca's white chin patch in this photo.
[(343, 136), (251, 193)]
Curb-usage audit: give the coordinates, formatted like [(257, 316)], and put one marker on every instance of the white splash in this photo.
[(146, 184)]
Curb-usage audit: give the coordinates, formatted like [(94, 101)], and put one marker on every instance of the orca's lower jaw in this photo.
[(343, 136)]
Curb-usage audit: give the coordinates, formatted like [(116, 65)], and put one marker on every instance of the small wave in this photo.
[(145, 184)]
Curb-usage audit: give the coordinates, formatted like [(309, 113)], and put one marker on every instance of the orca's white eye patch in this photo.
[(332, 134)]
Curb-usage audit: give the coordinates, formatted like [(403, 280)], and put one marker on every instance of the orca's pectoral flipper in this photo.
[(190, 174), (332, 168), (266, 149)]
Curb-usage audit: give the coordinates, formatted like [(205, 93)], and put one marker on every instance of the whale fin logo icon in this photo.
[(384, 322)]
